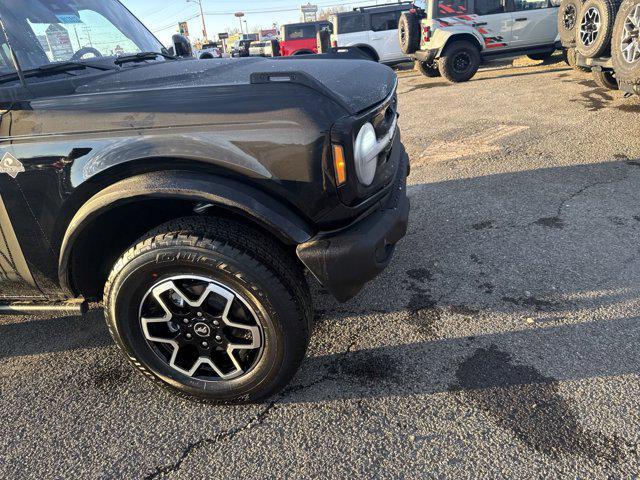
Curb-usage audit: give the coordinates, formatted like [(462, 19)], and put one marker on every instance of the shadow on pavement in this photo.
[(576, 240)]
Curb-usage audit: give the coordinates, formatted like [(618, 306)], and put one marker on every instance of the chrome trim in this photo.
[(384, 142)]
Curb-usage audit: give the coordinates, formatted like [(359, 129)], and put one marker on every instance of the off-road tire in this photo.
[(454, 52), (541, 56), (428, 69), (626, 72), (567, 20), (605, 79), (237, 256), (569, 55), (601, 44), (409, 32)]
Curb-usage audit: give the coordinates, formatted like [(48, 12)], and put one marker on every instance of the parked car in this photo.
[(453, 37), (264, 48), (372, 29), (210, 51), (241, 48), (301, 38), (190, 197)]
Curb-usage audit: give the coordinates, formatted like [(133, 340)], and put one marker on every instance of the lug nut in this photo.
[(218, 338), (216, 323), (186, 320), (199, 314), (188, 335), (205, 344)]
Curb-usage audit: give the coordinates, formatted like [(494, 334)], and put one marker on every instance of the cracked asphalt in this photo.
[(502, 341)]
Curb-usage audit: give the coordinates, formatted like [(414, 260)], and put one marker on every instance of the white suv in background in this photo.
[(453, 37), (372, 29)]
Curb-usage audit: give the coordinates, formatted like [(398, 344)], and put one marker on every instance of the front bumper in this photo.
[(344, 261)]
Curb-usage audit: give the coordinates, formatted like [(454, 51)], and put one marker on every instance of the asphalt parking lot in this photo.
[(502, 341)]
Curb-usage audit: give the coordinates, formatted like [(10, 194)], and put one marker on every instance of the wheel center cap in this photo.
[(202, 330)]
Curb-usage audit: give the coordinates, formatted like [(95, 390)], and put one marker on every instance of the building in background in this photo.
[(269, 34)]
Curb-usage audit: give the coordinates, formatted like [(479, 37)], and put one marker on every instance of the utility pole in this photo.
[(204, 23), (239, 16)]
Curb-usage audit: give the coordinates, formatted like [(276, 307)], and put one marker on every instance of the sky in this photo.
[(162, 16)]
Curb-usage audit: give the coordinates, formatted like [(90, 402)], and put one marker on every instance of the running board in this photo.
[(77, 307)]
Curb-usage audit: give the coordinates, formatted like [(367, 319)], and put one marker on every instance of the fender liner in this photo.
[(239, 197), (368, 48)]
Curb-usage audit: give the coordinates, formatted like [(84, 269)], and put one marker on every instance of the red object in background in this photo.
[(301, 38)]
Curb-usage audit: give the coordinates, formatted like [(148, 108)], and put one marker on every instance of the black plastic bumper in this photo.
[(343, 261), (426, 55)]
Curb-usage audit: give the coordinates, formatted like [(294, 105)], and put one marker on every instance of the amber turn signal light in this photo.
[(339, 165)]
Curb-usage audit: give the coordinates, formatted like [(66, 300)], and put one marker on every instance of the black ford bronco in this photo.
[(190, 197)]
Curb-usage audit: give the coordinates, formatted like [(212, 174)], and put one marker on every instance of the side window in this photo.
[(351, 24), (453, 7), (530, 4), (490, 7), (300, 32), (384, 21)]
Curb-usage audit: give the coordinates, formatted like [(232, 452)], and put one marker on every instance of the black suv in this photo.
[(189, 197)]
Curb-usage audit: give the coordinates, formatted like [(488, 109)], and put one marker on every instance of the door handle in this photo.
[(480, 24), (523, 19)]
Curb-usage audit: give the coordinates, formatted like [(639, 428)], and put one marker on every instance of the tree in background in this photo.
[(325, 13)]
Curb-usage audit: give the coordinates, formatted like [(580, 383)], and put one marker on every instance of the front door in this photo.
[(535, 23), (16, 280)]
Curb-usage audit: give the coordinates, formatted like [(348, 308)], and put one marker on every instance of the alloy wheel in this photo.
[(590, 26), (569, 17), (630, 42), (201, 328)]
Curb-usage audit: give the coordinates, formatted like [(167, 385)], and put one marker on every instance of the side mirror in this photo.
[(324, 41), (182, 46)]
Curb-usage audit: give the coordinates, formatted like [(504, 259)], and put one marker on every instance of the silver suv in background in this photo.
[(372, 29)]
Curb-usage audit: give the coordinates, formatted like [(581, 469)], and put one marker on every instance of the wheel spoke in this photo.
[(254, 330)]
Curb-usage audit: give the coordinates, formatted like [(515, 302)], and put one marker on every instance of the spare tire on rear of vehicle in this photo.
[(625, 43), (409, 32), (595, 26), (567, 21)]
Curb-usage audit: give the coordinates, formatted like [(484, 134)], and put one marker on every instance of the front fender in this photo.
[(250, 202)]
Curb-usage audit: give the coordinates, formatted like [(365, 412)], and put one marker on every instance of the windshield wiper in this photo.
[(52, 69), (142, 57)]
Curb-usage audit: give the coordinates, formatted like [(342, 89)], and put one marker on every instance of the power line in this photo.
[(281, 10), (174, 24)]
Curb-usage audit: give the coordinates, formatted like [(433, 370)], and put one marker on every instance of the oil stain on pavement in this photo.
[(524, 401)]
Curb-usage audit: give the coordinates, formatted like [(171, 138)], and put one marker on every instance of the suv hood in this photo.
[(356, 84)]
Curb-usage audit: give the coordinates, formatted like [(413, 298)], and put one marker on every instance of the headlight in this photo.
[(366, 154)]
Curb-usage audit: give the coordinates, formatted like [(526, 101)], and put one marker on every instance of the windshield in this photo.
[(42, 32)]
